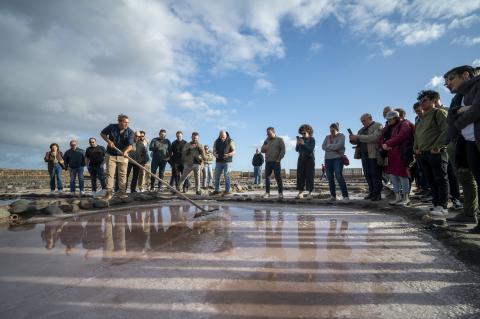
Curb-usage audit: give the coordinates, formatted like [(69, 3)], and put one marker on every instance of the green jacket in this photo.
[(274, 149), (208, 157), (193, 154), (431, 130)]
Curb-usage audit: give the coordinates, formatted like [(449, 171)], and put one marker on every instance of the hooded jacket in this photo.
[(469, 93)]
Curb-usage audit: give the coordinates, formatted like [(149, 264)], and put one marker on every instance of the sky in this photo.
[(68, 68)]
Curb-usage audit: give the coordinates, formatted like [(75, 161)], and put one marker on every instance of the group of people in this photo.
[(127, 151), (439, 151)]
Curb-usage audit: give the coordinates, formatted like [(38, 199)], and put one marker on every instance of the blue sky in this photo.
[(69, 68)]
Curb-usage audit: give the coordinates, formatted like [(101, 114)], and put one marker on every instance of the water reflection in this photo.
[(126, 234)]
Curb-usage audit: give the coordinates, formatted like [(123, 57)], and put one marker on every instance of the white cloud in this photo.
[(73, 66), (315, 47), (263, 84), (476, 63), (464, 22), (416, 33), (467, 41), (290, 142), (435, 82)]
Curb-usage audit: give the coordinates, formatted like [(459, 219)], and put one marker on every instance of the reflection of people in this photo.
[(115, 236), (71, 235), (93, 237), (51, 233), (135, 236), (157, 230)]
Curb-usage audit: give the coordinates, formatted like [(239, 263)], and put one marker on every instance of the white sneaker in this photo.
[(332, 199), (280, 195), (308, 196), (266, 195), (438, 211), (346, 199), (82, 193), (300, 195), (101, 192), (52, 192)]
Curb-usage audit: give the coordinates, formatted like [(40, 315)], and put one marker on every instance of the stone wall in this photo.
[(12, 180)]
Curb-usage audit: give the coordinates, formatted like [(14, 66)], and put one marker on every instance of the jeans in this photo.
[(160, 165), (225, 168), (373, 175), (305, 173), (335, 167), (257, 175), (73, 173), (473, 158), (400, 184), (276, 169), (435, 167), (207, 175), (56, 175), (97, 172)]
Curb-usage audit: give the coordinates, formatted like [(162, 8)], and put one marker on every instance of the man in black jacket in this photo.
[(176, 162), (257, 163), (95, 158), (464, 120)]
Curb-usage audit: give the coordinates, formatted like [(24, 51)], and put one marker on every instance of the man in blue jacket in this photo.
[(122, 137), (75, 162)]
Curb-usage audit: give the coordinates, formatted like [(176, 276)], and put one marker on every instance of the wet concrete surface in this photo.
[(243, 262)]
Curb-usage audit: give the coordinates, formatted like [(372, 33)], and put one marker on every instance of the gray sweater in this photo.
[(334, 147), (274, 149)]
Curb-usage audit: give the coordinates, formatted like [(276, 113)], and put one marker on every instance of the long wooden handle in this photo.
[(162, 181)]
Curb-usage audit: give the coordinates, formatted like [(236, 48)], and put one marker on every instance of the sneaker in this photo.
[(199, 192), (280, 195), (123, 195), (82, 193), (346, 199), (226, 193), (215, 193), (438, 211), (266, 195), (457, 205), (332, 198), (300, 195), (101, 192), (52, 192), (309, 196)]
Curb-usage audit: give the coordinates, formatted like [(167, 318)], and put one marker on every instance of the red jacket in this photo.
[(401, 138)]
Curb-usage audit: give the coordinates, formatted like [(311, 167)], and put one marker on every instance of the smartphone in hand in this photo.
[(350, 131)]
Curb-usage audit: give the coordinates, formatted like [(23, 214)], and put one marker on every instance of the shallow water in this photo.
[(279, 262)]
